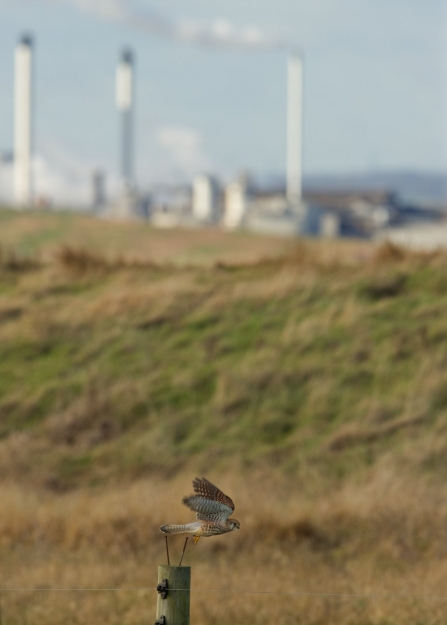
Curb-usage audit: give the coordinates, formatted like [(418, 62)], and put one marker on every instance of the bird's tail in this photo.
[(188, 528)]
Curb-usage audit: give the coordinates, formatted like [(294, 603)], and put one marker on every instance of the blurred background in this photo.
[(322, 118), (222, 253)]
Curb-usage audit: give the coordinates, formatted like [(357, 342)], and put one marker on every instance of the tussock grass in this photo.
[(111, 369), (12, 262), (311, 386), (83, 261), (375, 538)]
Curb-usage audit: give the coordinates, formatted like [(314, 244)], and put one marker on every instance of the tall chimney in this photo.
[(124, 102), (23, 122), (294, 129)]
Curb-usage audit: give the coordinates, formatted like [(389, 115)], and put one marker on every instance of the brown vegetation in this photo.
[(10, 261), (379, 538), (311, 387)]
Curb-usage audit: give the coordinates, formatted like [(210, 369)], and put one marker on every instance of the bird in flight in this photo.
[(213, 509)]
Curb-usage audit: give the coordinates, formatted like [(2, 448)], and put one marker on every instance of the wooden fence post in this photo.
[(175, 606)]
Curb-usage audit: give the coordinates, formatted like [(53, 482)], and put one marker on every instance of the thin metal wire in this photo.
[(243, 592)]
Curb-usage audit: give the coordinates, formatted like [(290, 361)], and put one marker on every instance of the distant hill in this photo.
[(429, 189), (425, 188)]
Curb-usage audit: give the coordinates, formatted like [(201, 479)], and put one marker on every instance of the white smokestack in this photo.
[(294, 129), (124, 82), (23, 122), (124, 103)]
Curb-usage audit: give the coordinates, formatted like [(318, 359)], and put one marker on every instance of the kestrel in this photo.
[(212, 508)]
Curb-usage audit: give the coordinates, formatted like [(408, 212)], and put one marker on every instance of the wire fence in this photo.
[(296, 593)]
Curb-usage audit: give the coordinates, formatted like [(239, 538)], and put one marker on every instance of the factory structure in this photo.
[(23, 122), (128, 203), (238, 204), (206, 201)]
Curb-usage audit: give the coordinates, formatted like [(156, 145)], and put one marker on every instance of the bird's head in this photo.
[(233, 524)]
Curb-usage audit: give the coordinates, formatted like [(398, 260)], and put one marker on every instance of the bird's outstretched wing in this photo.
[(210, 503)]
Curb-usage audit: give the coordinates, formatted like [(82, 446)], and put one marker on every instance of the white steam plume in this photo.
[(218, 34), (185, 147)]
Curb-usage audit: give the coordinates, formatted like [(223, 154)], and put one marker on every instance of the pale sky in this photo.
[(211, 84)]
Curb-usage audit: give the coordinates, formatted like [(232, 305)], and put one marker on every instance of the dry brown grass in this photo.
[(80, 261), (376, 538), (95, 454), (10, 261), (45, 233), (391, 253)]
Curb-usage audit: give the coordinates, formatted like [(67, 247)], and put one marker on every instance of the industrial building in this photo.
[(237, 204), (205, 199), (23, 123), (129, 204)]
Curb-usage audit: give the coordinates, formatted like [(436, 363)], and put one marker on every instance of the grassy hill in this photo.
[(43, 234), (311, 384), (118, 368)]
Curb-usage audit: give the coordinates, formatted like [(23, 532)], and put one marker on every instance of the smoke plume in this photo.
[(220, 33)]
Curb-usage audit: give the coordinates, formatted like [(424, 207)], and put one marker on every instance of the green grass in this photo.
[(42, 233), (147, 367), (311, 386)]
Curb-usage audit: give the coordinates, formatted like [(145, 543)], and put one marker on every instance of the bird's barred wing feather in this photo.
[(209, 502), (204, 488)]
